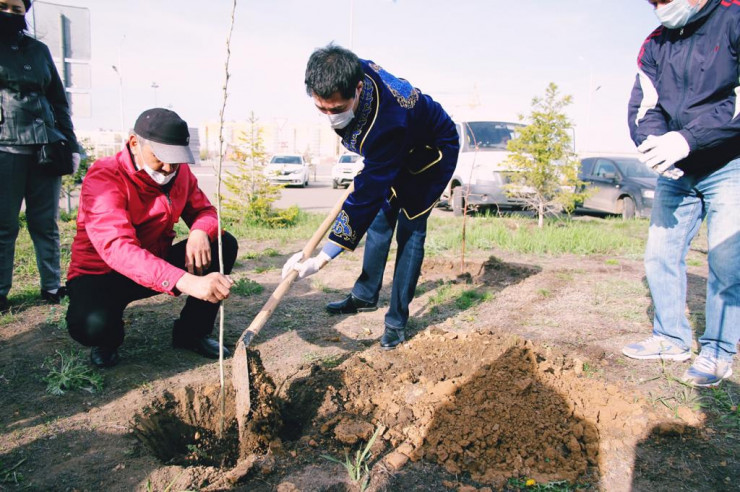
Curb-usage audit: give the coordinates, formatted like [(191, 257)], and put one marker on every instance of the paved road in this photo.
[(317, 197)]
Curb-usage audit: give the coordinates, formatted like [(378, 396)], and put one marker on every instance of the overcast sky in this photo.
[(494, 55)]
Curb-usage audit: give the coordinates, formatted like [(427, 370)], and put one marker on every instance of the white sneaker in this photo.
[(707, 371), (656, 347)]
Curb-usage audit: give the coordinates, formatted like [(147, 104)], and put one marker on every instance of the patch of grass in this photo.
[(544, 293), (320, 286), (71, 373), (7, 318), (271, 252), (520, 234), (694, 262), (331, 361), (612, 261), (357, 468), (246, 287), (25, 273), (266, 253), (470, 298), (720, 402), (10, 474), (590, 370), (56, 315), (531, 484), (443, 294), (305, 225)]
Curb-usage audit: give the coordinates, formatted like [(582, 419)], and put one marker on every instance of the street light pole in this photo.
[(155, 86), (120, 95)]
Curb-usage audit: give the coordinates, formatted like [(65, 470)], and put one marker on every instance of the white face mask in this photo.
[(341, 120), (676, 14), (160, 178)]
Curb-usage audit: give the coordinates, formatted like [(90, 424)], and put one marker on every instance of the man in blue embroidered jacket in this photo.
[(683, 115), (410, 148)]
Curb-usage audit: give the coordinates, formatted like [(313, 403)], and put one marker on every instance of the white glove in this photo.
[(305, 268), (660, 153), (75, 162), (292, 261)]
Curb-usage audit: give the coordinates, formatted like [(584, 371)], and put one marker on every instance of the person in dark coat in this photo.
[(34, 111), (410, 147)]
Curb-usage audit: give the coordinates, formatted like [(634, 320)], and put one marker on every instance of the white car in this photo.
[(288, 169), (345, 170), (480, 177)]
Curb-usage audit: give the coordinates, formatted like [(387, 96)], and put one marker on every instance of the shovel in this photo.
[(240, 365)]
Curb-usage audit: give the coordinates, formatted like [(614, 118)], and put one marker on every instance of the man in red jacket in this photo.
[(123, 249)]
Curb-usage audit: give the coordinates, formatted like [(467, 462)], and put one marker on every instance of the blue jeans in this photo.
[(410, 237), (679, 208)]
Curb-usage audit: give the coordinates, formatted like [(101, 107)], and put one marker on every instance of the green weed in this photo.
[(470, 298), (612, 261), (263, 269), (590, 370), (544, 293), (70, 374), (322, 287), (720, 402), (246, 287), (10, 475), (357, 468), (7, 318), (531, 484), (266, 253)]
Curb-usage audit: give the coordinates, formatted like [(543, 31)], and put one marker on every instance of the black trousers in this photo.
[(96, 302)]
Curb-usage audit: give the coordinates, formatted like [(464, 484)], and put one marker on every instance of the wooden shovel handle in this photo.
[(272, 303)]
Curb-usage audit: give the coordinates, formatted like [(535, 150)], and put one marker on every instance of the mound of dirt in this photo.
[(475, 403)]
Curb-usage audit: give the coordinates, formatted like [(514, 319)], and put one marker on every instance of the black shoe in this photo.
[(205, 346), (104, 356), (56, 297), (351, 305), (392, 338), (4, 306)]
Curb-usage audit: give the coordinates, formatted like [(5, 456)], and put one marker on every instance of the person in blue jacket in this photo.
[(410, 147), (683, 116)]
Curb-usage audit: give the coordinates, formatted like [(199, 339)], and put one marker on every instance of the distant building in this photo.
[(316, 141), (101, 143)]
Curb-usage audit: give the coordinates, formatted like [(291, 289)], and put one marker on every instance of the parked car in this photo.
[(479, 177), (618, 185), (345, 170), (288, 169)]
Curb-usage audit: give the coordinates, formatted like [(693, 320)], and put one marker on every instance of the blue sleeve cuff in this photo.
[(332, 249)]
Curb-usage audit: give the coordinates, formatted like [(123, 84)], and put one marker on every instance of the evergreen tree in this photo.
[(544, 169)]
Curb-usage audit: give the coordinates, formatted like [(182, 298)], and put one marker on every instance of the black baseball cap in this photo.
[(168, 135)]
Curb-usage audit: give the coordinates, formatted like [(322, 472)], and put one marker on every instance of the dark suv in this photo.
[(618, 185)]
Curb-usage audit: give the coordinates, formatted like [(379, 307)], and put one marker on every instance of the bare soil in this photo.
[(513, 370)]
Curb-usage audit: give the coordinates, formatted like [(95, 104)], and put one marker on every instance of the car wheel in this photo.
[(334, 184), (628, 208), (458, 201)]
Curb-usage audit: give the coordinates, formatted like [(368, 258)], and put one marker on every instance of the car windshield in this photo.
[(633, 168), (286, 159), (488, 135), (348, 158)]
